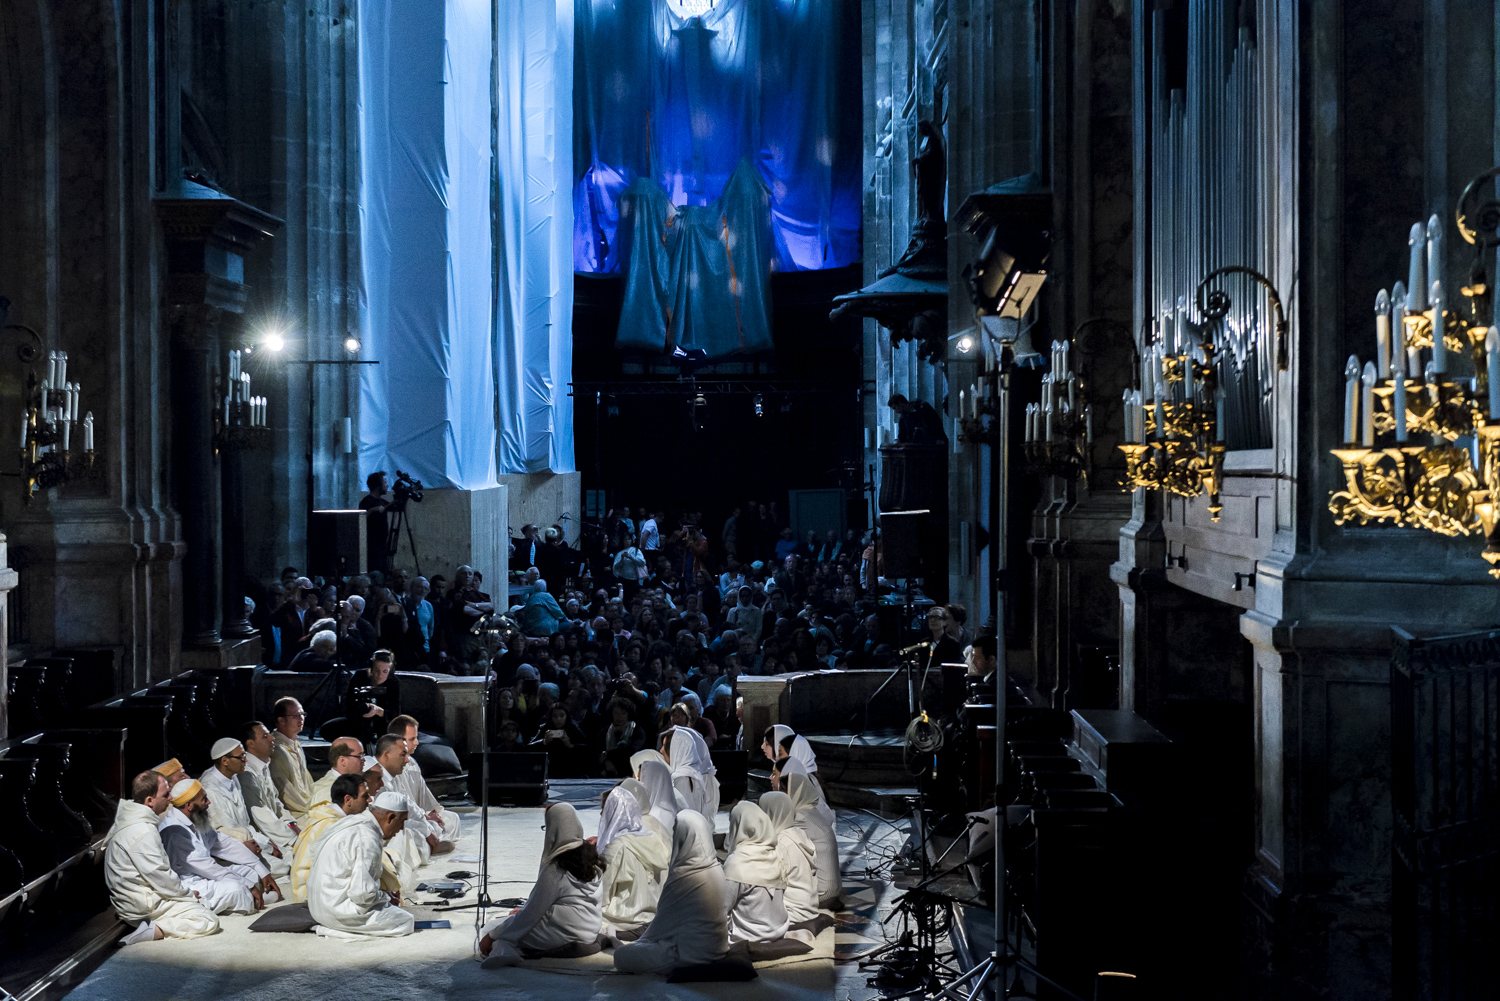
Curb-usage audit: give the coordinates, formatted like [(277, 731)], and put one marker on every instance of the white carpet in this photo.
[(238, 965)]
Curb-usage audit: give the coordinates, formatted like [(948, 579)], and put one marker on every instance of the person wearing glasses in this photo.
[(227, 811), (288, 761), (346, 756)]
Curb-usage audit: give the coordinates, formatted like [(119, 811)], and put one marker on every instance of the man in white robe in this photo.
[(391, 753), (353, 797), (406, 851), (409, 782), (343, 886), (143, 888), (346, 756), (288, 761), (227, 811), (224, 873), (267, 811)]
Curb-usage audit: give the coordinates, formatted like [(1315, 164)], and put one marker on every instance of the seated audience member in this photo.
[(563, 909), (755, 878), (345, 757), (509, 738), (392, 758), (410, 783), (656, 776), (635, 865), (227, 811), (344, 892), (799, 861), (643, 800), (541, 615), (564, 743), (691, 924), (622, 738), (722, 715), (267, 811), (226, 875), (693, 771), (357, 640), (373, 697), (695, 719), (820, 832), (288, 761), (143, 888), (318, 657), (347, 795)]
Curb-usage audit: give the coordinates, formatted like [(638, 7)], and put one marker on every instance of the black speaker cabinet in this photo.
[(905, 540), (517, 778), (336, 544)]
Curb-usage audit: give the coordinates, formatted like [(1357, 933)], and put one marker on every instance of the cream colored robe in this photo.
[(343, 883), (142, 886), (635, 866), (289, 771), (231, 817)]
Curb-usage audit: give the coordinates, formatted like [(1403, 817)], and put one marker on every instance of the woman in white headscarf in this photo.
[(693, 772), (643, 800), (756, 878), (635, 865), (563, 910), (820, 832), (639, 758), (793, 755), (799, 860), (657, 778), (690, 927)]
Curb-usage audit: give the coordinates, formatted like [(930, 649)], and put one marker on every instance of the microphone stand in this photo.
[(483, 902)]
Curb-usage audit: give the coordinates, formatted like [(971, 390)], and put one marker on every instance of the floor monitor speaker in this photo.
[(336, 544)]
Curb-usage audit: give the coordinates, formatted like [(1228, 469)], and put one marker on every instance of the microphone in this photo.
[(917, 646)]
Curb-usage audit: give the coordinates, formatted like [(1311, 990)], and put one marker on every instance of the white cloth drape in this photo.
[(343, 886), (635, 863)]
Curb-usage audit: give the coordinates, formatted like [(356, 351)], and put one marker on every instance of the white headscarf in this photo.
[(692, 847), (690, 755), (800, 751), (564, 831), (790, 767), (641, 757), (804, 793), (657, 779), (640, 792), (620, 816), (752, 848), (780, 809)]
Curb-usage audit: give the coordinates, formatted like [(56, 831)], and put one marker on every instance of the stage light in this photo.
[(274, 341), (760, 405), (700, 409), (351, 345), (965, 344)]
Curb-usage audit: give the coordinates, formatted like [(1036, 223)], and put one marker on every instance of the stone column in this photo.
[(8, 579), (232, 544)]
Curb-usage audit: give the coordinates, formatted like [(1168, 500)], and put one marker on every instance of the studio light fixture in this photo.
[(274, 341), (351, 345), (760, 405)]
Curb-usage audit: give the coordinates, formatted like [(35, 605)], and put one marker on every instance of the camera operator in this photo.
[(356, 635), (373, 697), (376, 528)]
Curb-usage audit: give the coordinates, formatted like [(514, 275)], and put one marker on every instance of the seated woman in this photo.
[(691, 926), (622, 738), (635, 865), (643, 800), (693, 771), (819, 831), (791, 754), (509, 738), (564, 743), (563, 911), (373, 698), (799, 859), (755, 878), (657, 778)]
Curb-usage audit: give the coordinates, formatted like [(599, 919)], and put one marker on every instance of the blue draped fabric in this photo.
[(679, 92)]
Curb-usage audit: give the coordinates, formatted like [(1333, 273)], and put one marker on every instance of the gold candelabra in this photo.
[(47, 455), (1176, 440)]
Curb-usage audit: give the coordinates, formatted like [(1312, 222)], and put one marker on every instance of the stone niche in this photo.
[(454, 527)]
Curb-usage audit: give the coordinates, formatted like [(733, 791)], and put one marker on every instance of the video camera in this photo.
[(405, 489)]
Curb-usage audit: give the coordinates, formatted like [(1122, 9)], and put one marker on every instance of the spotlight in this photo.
[(760, 405), (700, 408), (275, 342), (351, 345), (965, 344)]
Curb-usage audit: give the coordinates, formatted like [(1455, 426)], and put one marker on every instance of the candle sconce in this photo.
[(1059, 433), (982, 425), (1066, 454), (1450, 485), (50, 413), (240, 422)]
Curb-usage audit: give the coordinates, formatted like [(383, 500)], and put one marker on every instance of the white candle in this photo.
[(1072, 394), (974, 401), (1129, 416), (1492, 369), (1369, 405), (67, 435), (88, 431), (1161, 412), (1434, 248), (1399, 405), (960, 403), (1398, 329), (51, 368), (1088, 424), (1047, 423), (62, 368), (1383, 334), (25, 423), (1140, 418), (1219, 396), (1439, 349), (1351, 400), (1416, 272), (77, 391)]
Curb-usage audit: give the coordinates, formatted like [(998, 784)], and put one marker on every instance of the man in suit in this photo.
[(294, 620)]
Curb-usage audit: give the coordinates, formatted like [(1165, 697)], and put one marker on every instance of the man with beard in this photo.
[(227, 810), (224, 873)]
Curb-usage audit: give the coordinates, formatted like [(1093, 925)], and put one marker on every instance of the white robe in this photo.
[(635, 868), (142, 885), (819, 831), (343, 885), (289, 771), (413, 786), (231, 817), (269, 814), (799, 859), (693, 773), (561, 911), (756, 913), (690, 925), (195, 854)]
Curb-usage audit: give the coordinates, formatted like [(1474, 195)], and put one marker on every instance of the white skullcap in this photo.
[(391, 802), (223, 746), (370, 762)]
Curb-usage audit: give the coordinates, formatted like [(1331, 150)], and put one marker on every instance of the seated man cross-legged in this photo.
[(228, 877), (344, 892), (143, 888)]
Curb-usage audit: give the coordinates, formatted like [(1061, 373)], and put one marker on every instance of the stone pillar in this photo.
[(235, 624), (7, 584)]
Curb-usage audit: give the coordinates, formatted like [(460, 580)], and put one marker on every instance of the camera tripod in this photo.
[(393, 535)]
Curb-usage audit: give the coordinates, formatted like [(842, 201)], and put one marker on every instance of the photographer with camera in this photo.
[(373, 697), (377, 526)]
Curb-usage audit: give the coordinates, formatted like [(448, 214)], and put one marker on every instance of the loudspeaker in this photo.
[(336, 544), (516, 777), (732, 769), (903, 542)]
